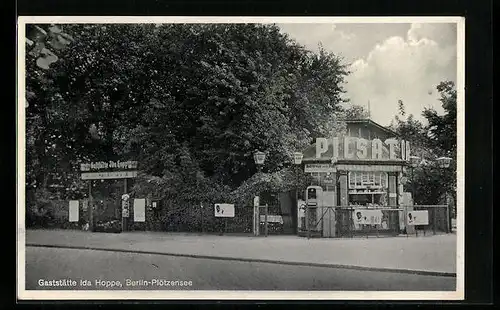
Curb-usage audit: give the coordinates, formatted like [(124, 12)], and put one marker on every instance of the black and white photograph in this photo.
[(240, 158)]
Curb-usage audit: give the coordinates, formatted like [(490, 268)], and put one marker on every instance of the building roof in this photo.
[(372, 123)]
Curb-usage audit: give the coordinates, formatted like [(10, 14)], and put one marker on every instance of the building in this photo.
[(358, 173)]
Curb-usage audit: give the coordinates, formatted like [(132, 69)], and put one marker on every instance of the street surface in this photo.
[(435, 254), (114, 268)]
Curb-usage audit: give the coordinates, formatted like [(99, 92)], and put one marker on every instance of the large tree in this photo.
[(161, 93)]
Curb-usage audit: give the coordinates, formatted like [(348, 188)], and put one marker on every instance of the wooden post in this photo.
[(124, 219), (265, 220), (202, 224), (434, 220), (448, 218), (91, 208)]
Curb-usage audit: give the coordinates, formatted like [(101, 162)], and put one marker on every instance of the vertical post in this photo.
[(405, 220), (434, 220), (202, 224), (91, 208), (124, 219), (265, 220), (448, 218), (308, 221), (297, 198)]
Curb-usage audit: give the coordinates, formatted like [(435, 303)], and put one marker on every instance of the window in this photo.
[(365, 179)]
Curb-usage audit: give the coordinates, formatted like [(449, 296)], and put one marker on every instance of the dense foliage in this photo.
[(435, 139), (190, 102)]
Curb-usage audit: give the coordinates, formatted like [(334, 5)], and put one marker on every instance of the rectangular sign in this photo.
[(73, 210), (103, 165), (417, 217), (139, 210), (367, 217), (271, 219), (108, 175), (224, 210), (319, 168)]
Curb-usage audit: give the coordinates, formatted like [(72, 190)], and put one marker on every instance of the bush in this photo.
[(113, 226)]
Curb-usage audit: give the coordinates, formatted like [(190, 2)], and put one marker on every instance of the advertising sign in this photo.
[(125, 206), (139, 210), (319, 168), (271, 219), (125, 213), (73, 210), (367, 217), (417, 217), (104, 165), (354, 148), (224, 210), (108, 175)]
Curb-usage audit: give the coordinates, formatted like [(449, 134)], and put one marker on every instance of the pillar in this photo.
[(344, 190), (393, 191)]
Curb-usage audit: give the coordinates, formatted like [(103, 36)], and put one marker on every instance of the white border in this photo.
[(237, 295)]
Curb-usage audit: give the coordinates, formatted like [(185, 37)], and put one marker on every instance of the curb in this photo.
[(255, 260)]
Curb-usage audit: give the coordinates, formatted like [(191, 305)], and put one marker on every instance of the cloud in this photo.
[(328, 35), (404, 68)]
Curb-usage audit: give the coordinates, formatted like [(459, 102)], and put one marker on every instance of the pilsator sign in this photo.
[(105, 165), (103, 170), (362, 149)]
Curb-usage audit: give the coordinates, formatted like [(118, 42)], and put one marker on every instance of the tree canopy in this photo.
[(202, 95)]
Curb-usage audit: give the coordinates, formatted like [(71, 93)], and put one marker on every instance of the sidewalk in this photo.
[(430, 254)]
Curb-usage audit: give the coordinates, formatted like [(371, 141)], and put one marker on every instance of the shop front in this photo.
[(358, 180)]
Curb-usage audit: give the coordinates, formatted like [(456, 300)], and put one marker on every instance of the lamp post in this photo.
[(259, 158), (414, 162), (444, 163), (297, 160)]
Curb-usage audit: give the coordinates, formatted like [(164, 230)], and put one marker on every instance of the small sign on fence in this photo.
[(224, 210), (73, 210), (140, 210), (367, 217), (418, 217)]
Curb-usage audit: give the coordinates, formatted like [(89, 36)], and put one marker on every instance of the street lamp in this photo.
[(259, 158), (444, 163), (297, 160)]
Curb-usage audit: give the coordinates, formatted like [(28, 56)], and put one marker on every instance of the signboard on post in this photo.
[(108, 175), (420, 217), (224, 210), (140, 210), (367, 217), (125, 206), (73, 210)]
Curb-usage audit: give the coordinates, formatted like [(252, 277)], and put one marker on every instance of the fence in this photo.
[(326, 222), (355, 221)]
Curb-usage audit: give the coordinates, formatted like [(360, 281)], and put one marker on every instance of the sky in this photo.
[(388, 62)]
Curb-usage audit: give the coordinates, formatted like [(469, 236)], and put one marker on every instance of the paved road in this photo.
[(207, 274)]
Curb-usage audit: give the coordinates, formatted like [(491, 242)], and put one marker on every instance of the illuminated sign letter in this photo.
[(392, 147), (362, 152), (347, 155), (335, 147), (321, 146), (377, 149), (407, 150), (403, 150)]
